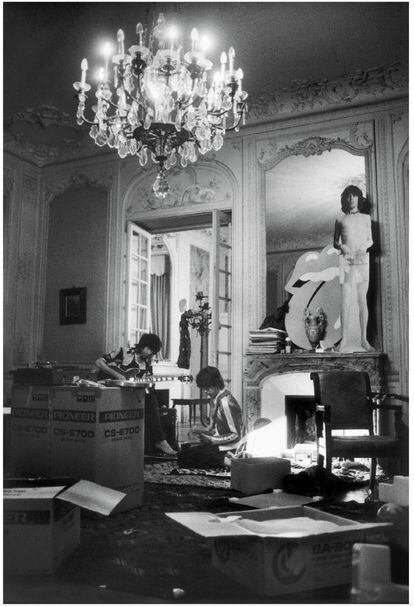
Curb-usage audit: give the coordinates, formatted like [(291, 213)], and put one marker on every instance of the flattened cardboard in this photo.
[(92, 496), (208, 524), (277, 498)]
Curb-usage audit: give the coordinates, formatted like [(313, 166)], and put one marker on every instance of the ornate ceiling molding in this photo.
[(307, 96), (45, 135), (44, 116)]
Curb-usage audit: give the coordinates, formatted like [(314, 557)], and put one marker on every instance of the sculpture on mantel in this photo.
[(315, 326), (353, 238)]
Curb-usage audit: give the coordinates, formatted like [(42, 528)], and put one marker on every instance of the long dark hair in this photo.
[(149, 340), (209, 376), (352, 190)]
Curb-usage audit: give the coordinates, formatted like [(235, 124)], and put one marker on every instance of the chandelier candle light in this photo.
[(156, 101)]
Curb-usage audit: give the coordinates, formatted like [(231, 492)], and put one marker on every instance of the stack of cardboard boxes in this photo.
[(88, 433), (92, 438)]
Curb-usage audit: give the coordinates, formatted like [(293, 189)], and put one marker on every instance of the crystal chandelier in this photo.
[(157, 102)]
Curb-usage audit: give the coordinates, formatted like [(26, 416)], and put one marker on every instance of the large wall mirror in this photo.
[(302, 202)]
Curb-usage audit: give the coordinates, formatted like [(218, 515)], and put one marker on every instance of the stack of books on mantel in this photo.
[(266, 340)]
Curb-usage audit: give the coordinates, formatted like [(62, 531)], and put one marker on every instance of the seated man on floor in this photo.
[(119, 364), (226, 426)]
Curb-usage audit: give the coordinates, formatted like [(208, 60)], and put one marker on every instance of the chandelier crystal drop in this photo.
[(156, 102)]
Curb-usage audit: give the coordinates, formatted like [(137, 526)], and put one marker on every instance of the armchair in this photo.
[(344, 401)]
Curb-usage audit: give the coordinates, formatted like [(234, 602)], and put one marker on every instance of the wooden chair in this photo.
[(344, 401)]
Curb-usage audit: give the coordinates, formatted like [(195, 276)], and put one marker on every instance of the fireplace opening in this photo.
[(287, 401)]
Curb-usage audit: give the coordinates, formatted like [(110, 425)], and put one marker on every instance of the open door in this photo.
[(138, 283), (189, 241), (221, 294)]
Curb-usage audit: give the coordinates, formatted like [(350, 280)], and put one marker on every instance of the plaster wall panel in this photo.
[(22, 212), (76, 257)]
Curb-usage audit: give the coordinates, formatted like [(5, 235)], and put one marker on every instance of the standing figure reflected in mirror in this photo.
[(353, 238)]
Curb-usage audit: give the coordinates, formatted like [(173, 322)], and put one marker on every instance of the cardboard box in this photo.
[(310, 549), (98, 434), (42, 520), (30, 428), (92, 433), (134, 495), (257, 474)]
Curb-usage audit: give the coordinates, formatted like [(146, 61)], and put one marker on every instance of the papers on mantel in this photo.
[(277, 498)]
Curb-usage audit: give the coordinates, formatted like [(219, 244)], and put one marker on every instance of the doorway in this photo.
[(170, 261)]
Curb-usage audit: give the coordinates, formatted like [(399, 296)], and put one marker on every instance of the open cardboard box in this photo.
[(42, 520), (275, 551)]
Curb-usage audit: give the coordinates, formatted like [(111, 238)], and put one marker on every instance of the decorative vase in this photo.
[(315, 326)]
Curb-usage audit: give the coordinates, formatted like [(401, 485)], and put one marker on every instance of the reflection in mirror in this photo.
[(302, 202)]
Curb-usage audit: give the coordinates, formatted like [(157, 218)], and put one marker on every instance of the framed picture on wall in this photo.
[(72, 306)]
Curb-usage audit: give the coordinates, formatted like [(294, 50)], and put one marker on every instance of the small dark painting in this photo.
[(73, 306)]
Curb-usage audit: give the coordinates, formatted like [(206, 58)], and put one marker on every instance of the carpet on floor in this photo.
[(170, 473)]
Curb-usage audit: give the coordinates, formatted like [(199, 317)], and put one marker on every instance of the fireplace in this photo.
[(295, 369), (300, 420)]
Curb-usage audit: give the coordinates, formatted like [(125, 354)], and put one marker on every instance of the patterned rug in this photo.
[(169, 473)]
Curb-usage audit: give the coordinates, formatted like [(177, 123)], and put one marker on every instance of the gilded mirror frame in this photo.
[(356, 141)]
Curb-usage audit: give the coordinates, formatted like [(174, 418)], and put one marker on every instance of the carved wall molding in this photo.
[(361, 135), (191, 186), (57, 184), (312, 146), (26, 272), (402, 209), (8, 180), (29, 189), (386, 248), (357, 138), (291, 243), (306, 96)]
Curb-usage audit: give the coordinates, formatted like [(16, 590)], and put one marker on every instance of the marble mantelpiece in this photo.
[(257, 367)]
